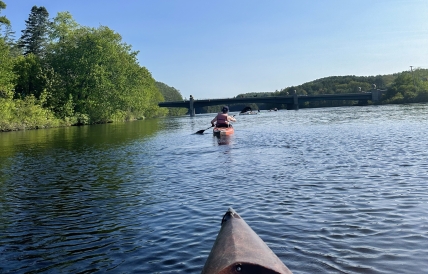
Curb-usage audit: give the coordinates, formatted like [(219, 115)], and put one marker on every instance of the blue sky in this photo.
[(218, 49)]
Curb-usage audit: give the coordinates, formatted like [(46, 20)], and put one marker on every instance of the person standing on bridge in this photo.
[(222, 119)]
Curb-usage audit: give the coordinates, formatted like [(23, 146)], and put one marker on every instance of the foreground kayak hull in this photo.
[(238, 249), (223, 131)]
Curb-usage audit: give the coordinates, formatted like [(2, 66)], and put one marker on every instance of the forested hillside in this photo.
[(403, 87), (171, 94)]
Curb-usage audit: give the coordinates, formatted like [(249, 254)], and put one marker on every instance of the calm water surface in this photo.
[(334, 190)]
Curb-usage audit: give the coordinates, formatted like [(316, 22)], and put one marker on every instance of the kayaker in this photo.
[(222, 119)]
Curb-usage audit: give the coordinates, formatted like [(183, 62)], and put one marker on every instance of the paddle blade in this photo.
[(202, 130)]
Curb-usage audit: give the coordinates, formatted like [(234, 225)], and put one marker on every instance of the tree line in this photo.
[(398, 88), (60, 73)]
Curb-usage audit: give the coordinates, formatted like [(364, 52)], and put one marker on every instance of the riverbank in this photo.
[(28, 114), (25, 114), (31, 125)]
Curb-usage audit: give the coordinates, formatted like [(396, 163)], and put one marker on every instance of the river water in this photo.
[(331, 190)]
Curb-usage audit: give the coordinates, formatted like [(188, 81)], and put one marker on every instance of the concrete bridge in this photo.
[(292, 101)]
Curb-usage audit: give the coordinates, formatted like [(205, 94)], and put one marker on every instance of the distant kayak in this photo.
[(238, 249), (249, 113), (223, 131)]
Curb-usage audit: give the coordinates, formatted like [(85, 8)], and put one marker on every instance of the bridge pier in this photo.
[(376, 95), (295, 101), (295, 104), (191, 107)]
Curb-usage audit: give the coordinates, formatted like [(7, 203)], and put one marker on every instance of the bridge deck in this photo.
[(274, 99)]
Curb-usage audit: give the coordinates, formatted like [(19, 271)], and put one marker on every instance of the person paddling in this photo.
[(222, 119)]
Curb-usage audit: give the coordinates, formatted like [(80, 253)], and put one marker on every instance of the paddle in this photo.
[(202, 130)]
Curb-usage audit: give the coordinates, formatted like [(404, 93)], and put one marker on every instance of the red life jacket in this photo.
[(222, 119)]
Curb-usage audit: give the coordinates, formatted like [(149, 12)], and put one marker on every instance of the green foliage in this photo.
[(30, 80), (7, 77), (102, 76), (62, 26), (3, 19), (408, 88), (25, 114), (171, 94), (18, 114), (328, 85), (210, 109), (335, 85), (396, 91), (34, 37), (83, 75), (255, 94), (9, 38)]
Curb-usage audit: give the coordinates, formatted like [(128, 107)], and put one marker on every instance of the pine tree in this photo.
[(3, 19), (6, 29), (9, 38), (34, 37)]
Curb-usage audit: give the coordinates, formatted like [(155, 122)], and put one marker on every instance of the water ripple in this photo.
[(338, 190)]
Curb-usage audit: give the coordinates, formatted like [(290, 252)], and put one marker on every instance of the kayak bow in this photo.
[(238, 249)]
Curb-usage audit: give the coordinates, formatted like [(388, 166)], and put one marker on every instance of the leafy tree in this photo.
[(6, 62), (62, 26), (30, 80), (7, 77), (94, 74), (407, 89), (34, 37)]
